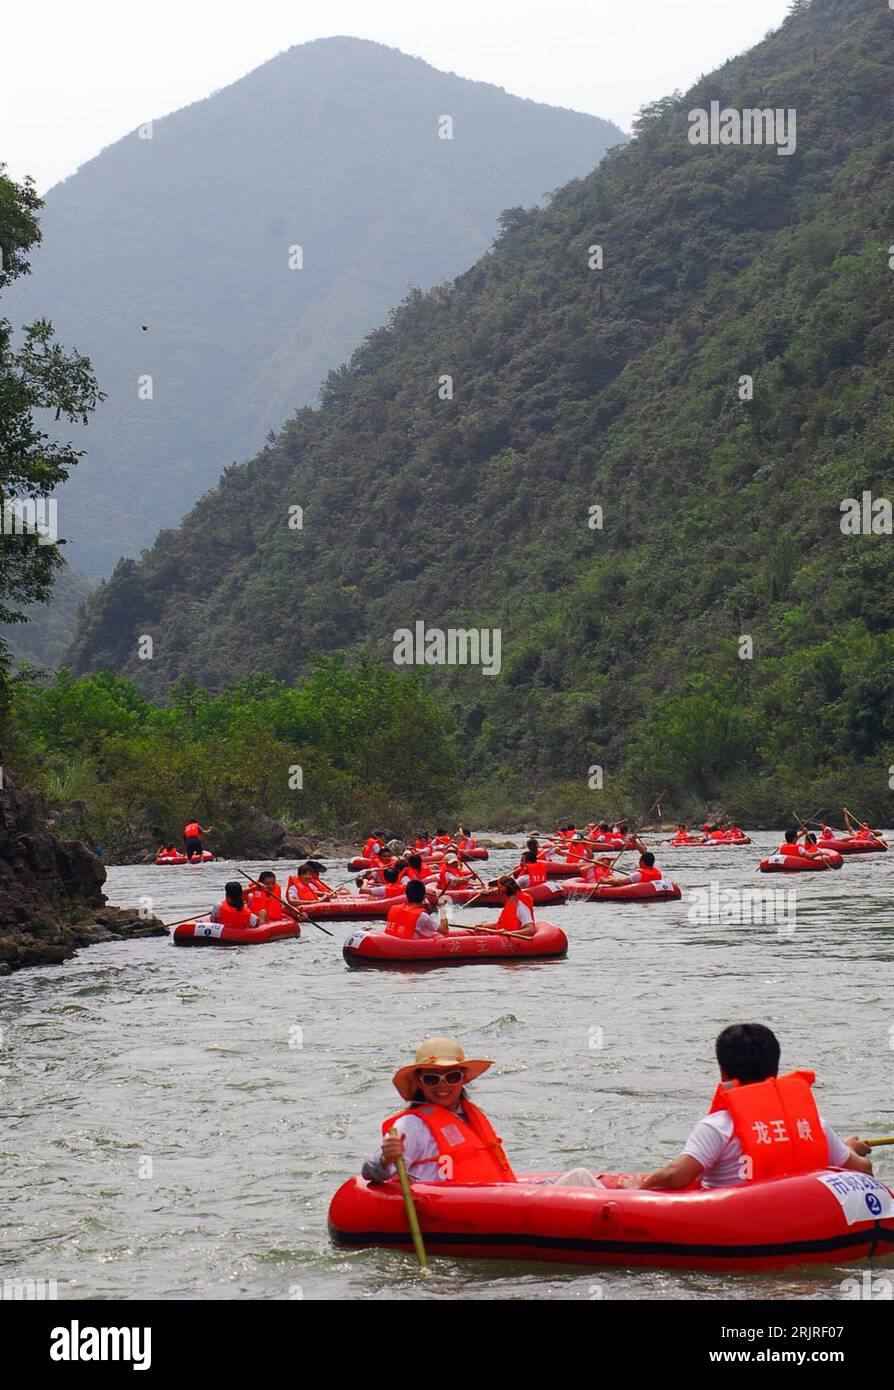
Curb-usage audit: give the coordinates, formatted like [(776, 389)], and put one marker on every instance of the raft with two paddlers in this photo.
[(654, 890), (206, 933), (466, 946), (831, 1216)]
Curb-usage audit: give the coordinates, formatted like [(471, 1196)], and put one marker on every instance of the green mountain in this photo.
[(169, 257), (720, 633)]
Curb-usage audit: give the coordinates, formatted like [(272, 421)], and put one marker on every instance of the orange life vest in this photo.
[(371, 847), (454, 877), (402, 919), (790, 849), (303, 890), (474, 1150), (232, 917), (777, 1124), (648, 873), (193, 831), (508, 918), (264, 898), (537, 872)]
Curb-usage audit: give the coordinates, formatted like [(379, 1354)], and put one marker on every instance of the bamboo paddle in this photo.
[(298, 917), (412, 1218), (876, 1143)]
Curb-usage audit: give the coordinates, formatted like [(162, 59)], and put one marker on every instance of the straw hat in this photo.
[(437, 1052)]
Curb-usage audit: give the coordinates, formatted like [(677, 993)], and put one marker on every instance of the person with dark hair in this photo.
[(232, 912), (646, 872), (263, 897), (412, 918), (440, 1134), (411, 869), (760, 1125), (529, 871), (517, 915)]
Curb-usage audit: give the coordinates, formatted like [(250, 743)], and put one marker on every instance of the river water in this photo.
[(176, 1121)]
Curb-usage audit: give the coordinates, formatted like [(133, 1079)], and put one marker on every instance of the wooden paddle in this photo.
[(877, 1143), (299, 917), (412, 1218)]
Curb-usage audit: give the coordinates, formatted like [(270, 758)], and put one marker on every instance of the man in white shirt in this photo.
[(713, 1155)]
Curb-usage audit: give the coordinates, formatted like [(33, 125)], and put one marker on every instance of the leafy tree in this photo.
[(38, 375)]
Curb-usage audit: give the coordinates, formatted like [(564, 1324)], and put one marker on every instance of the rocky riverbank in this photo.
[(51, 899)]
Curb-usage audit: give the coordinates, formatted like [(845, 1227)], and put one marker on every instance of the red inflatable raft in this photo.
[(352, 908), (658, 890), (707, 844), (798, 863), (458, 948), (205, 857), (851, 845), (359, 863), (205, 933), (828, 1217), (542, 895)]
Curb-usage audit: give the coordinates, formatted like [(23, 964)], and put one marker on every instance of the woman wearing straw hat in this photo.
[(441, 1135)]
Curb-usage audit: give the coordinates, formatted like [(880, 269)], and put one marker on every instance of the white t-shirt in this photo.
[(713, 1144), (426, 925), (525, 915)]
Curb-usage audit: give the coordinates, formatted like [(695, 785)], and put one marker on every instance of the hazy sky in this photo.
[(76, 75)]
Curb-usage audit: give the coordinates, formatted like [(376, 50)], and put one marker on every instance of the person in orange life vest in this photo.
[(646, 872), (517, 916), (602, 871), (411, 869), (827, 833), (233, 912), (373, 845), (372, 881), (412, 918), (453, 874), (576, 848), (682, 837), (322, 890), (790, 845), (464, 838), (300, 887), (441, 839), (167, 852), (529, 872), (760, 1125), (262, 899), (441, 1135), (192, 837)]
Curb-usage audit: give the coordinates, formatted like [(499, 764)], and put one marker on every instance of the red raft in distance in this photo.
[(829, 1217), (178, 858), (458, 948), (542, 895), (657, 890), (205, 933)]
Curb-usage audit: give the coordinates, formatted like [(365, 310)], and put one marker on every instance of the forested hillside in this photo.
[(237, 250), (621, 387)]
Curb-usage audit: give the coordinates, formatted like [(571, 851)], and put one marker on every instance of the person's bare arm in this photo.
[(681, 1172)]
